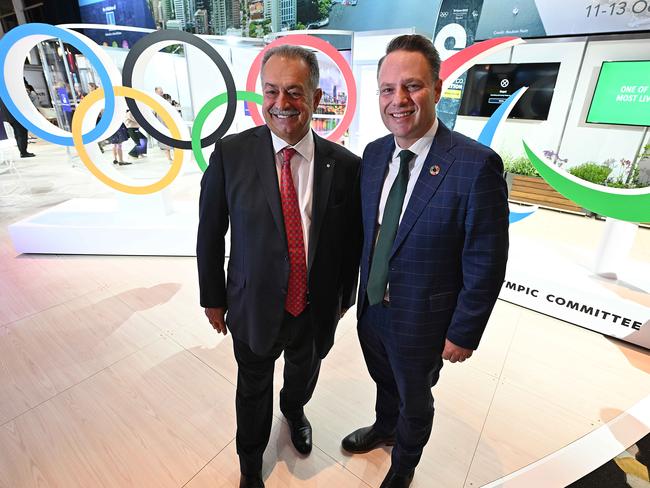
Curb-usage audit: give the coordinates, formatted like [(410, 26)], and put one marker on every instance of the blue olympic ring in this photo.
[(32, 29)]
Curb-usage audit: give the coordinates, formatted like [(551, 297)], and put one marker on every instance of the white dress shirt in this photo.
[(421, 149), (302, 172)]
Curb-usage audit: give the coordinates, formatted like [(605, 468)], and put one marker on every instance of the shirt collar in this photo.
[(418, 146), (305, 147)]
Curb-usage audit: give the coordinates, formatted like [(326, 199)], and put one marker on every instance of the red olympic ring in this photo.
[(326, 48)]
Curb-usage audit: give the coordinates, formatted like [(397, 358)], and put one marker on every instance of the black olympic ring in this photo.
[(185, 37)]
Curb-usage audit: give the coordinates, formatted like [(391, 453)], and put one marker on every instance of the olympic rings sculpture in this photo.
[(118, 93)]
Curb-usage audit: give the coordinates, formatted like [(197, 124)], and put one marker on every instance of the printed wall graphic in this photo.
[(253, 18), (366, 15), (455, 30), (136, 13), (541, 18)]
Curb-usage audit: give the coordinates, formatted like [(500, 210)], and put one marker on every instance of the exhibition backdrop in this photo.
[(509, 88)]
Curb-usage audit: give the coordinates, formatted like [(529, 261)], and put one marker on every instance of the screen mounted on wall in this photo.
[(489, 85), (622, 94)]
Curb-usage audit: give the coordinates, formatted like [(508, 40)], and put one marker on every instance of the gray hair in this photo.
[(296, 52)]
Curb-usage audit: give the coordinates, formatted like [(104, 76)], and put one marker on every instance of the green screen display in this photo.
[(622, 94)]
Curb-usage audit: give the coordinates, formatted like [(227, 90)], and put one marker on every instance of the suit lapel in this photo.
[(264, 158), (323, 174), (375, 172), (427, 183)]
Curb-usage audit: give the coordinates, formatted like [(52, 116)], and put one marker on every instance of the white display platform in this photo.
[(545, 276), (128, 225), (560, 281)]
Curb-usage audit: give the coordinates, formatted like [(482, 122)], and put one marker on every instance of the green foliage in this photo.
[(633, 181), (300, 26), (617, 184), (324, 7), (592, 172), (519, 166)]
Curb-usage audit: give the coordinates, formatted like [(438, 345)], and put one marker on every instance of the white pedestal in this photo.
[(127, 225), (614, 247)]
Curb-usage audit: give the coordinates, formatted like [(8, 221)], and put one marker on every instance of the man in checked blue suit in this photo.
[(435, 219)]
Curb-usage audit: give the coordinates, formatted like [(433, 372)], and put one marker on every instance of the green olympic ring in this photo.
[(203, 114), (628, 205)]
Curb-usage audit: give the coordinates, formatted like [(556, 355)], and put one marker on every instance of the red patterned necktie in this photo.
[(297, 290)]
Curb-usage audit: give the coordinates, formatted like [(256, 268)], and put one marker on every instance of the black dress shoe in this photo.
[(366, 439), (247, 481), (300, 433), (394, 480), (27, 155)]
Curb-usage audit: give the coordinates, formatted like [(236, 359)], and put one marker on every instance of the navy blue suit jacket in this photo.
[(449, 257), (240, 188)]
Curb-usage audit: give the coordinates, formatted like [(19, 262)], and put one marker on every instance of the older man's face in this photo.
[(289, 100)]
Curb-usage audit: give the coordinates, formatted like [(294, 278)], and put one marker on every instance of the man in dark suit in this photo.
[(435, 219), (292, 200)]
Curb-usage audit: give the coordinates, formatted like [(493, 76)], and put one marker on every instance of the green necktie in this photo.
[(378, 278)]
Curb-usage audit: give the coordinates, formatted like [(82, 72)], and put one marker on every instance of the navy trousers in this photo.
[(404, 373)]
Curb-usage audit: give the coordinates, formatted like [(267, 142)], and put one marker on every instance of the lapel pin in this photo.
[(434, 170), (328, 165)]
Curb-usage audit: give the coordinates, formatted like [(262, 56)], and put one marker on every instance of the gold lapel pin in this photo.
[(434, 170)]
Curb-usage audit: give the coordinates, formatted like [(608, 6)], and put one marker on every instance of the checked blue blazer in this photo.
[(449, 257)]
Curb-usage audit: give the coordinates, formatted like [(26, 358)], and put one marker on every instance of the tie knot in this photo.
[(405, 157), (287, 153)]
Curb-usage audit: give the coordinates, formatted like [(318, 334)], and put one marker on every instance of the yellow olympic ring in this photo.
[(124, 91)]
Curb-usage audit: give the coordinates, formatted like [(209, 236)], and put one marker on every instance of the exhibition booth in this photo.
[(586, 101), (558, 103)]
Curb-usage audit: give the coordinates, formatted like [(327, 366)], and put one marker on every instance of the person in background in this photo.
[(435, 219), (33, 96), (133, 129), (116, 140), (20, 133)]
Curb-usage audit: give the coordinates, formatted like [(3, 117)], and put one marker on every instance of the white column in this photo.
[(19, 9)]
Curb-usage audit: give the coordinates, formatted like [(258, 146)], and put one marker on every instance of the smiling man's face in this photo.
[(289, 99), (407, 95)]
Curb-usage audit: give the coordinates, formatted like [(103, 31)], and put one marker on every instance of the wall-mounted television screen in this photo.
[(489, 85), (622, 94)]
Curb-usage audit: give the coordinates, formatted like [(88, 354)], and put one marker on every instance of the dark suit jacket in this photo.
[(449, 257), (241, 186)]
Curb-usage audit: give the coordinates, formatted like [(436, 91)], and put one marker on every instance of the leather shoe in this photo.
[(366, 439), (247, 481), (300, 433), (394, 480)]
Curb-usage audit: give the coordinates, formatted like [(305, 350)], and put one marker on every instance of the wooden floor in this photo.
[(112, 377)]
